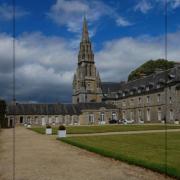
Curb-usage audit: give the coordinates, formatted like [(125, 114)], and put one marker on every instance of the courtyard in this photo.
[(43, 157)]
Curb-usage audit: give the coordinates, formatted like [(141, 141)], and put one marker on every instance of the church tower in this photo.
[(86, 82)]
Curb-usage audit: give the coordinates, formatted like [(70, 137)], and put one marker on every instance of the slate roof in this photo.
[(171, 76), (55, 109), (110, 86)]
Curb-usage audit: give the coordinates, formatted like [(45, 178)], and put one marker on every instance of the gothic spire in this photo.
[(85, 34)]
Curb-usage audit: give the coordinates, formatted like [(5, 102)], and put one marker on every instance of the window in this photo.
[(50, 120), (91, 118), (102, 116), (139, 91), (124, 103), (140, 115), (124, 115), (43, 121), (171, 115), (147, 88), (158, 86), (148, 115), (21, 119), (56, 120), (148, 99), (131, 115), (170, 100), (158, 97), (124, 94), (36, 120), (159, 114), (132, 101), (114, 116)]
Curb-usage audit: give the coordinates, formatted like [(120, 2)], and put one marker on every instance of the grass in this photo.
[(106, 128), (146, 150)]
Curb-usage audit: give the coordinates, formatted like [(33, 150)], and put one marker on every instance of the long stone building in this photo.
[(68, 114), (154, 98)]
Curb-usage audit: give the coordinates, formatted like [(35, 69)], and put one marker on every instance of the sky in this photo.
[(124, 34)]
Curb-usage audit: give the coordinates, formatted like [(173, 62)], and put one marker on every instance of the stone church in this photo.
[(86, 82)]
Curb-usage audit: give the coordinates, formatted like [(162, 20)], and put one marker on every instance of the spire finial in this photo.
[(85, 34)]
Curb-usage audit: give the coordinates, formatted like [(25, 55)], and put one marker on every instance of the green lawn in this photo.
[(107, 128), (147, 150)]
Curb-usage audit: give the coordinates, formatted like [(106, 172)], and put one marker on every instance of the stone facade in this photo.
[(67, 114), (154, 98), (86, 82)]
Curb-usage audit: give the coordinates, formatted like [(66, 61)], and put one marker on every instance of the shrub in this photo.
[(48, 126), (61, 127)]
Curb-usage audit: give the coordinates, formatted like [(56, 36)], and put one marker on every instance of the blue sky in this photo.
[(124, 33)]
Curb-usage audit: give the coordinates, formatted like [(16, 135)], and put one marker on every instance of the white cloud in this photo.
[(119, 57), (120, 21), (45, 65), (70, 13), (6, 12), (144, 6), (174, 4)]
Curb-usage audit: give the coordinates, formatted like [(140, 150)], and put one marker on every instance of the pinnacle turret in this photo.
[(85, 34)]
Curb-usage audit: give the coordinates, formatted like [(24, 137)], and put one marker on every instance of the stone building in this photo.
[(150, 99), (154, 98), (86, 82), (67, 114)]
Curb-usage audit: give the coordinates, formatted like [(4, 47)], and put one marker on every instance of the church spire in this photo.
[(85, 34)]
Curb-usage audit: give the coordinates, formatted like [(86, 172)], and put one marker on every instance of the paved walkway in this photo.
[(126, 132), (44, 158)]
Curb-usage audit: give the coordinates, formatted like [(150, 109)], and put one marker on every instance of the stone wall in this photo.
[(152, 106), (101, 116)]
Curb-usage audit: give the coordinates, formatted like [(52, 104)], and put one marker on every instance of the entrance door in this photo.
[(43, 121), (148, 115), (21, 119)]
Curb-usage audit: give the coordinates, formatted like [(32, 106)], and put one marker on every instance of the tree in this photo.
[(150, 67)]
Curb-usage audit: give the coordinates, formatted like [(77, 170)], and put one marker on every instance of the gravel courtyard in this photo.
[(44, 158)]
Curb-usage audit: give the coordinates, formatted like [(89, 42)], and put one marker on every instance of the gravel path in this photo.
[(41, 157)]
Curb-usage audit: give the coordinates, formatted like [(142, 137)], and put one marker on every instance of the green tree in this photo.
[(150, 67)]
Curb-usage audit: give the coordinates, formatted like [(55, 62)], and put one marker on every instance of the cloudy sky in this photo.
[(124, 33)]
